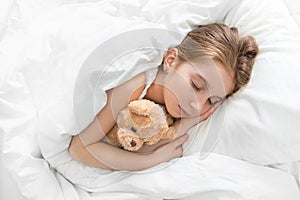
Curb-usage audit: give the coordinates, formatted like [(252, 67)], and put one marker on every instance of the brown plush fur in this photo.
[(141, 122)]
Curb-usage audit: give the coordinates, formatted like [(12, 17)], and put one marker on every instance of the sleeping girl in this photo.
[(195, 77)]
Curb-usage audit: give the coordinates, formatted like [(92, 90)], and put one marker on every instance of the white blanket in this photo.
[(45, 90)]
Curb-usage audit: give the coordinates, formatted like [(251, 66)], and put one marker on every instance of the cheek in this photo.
[(171, 102), (175, 97), (169, 97), (179, 88)]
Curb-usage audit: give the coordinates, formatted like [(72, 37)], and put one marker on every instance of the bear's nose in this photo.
[(133, 143)]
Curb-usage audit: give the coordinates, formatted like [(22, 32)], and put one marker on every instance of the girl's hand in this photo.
[(180, 131), (182, 125), (170, 150)]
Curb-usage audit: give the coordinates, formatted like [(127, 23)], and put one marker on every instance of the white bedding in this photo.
[(43, 46)]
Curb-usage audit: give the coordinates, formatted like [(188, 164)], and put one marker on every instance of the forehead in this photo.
[(219, 81)]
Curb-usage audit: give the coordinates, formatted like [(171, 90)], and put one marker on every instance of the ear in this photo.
[(170, 59)]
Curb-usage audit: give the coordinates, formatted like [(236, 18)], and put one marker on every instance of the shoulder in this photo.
[(129, 90), (135, 86)]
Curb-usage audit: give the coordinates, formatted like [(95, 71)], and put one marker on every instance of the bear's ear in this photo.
[(140, 120), (141, 107)]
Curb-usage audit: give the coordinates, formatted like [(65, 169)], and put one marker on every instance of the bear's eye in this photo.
[(133, 129)]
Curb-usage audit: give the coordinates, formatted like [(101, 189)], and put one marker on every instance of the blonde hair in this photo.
[(223, 44)]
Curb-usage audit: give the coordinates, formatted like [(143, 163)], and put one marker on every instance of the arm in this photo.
[(81, 147), (102, 155), (119, 159), (88, 149)]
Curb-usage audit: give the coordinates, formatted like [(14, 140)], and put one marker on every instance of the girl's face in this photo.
[(191, 89)]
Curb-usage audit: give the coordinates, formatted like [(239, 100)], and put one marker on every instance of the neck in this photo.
[(155, 91)]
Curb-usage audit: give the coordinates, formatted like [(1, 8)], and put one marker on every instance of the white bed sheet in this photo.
[(224, 178)]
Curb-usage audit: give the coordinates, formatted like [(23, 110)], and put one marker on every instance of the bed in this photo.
[(248, 149)]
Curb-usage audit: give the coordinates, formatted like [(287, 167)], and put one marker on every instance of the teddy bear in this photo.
[(142, 121)]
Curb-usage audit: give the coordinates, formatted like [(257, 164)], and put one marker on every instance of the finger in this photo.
[(179, 151), (216, 105), (205, 115), (210, 110), (179, 141)]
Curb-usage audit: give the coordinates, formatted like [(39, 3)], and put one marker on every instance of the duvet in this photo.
[(56, 67)]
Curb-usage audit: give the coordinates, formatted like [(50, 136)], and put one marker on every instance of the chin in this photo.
[(173, 114)]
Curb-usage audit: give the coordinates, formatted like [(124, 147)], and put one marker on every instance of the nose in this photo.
[(197, 104), (194, 105)]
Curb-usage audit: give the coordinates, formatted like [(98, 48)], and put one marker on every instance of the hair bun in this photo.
[(247, 51)]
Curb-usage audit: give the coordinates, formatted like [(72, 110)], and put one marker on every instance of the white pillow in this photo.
[(262, 120)]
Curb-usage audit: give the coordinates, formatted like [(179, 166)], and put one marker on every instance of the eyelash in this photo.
[(195, 86), (209, 99)]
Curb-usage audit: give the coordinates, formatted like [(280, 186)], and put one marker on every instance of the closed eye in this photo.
[(197, 88)]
